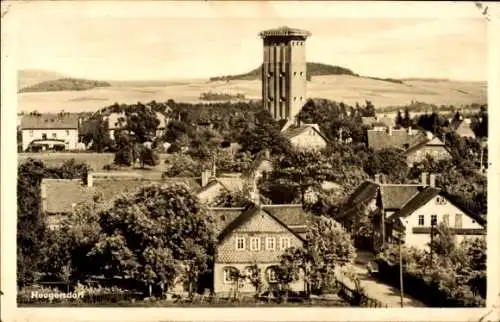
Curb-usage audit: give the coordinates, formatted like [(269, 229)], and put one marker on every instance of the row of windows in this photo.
[(255, 243), (232, 274), (270, 99), (297, 43), (270, 74), (44, 135), (446, 220)]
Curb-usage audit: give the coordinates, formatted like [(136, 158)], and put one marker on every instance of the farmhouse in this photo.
[(50, 131), (255, 236)]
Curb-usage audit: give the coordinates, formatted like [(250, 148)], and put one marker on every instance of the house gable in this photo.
[(440, 206), (254, 223)]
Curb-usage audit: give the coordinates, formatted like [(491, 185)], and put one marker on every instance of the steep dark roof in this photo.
[(398, 138), (426, 142), (224, 216), (365, 192), (425, 195), (50, 121), (290, 215), (246, 215), (396, 196)]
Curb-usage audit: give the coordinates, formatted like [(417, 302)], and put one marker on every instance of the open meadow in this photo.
[(348, 89)]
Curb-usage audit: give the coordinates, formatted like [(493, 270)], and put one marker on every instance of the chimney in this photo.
[(267, 154), (377, 178), (389, 129), (432, 180), (205, 177), (410, 130), (90, 179), (254, 194), (424, 178)]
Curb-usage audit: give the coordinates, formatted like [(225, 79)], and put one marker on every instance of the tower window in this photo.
[(300, 73), (295, 98), (294, 73)]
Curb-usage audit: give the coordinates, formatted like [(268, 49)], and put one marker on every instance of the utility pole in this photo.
[(433, 224), (401, 270)]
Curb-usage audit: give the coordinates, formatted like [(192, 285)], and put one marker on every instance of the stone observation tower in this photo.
[(284, 72)]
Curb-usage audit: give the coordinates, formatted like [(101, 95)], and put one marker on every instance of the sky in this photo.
[(167, 40)]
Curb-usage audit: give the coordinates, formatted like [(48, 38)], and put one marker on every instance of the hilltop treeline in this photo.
[(65, 84), (313, 69)]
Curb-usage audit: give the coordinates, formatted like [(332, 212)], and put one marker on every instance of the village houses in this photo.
[(410, 209)]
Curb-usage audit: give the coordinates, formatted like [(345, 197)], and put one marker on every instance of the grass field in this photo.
[(95, 160), (335, 87)]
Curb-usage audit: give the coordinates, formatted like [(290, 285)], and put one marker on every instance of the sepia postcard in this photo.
[(250, 161)]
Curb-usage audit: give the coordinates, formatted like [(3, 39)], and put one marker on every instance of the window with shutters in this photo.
[(255, 244), (421, 220), (270, 243), (240, 243), (284, 243)]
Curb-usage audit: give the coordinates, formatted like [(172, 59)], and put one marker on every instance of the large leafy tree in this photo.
[(391, 162), (154, 234), (66, 248), (183, 165), (263, 133), (327, 246), (301, 169), (30, 223)]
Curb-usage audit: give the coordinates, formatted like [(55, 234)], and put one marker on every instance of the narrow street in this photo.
[(378, 290)]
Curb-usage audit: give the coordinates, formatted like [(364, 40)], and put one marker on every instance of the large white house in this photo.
[(415, 219), (48, 131)]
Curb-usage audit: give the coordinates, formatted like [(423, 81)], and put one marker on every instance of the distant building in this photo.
[(212, 187), (378, 123), (50, 131), (306, 136), (118, 121), (463, 128), (284, 81), (256, 235), (431, 146), (416, 144)]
